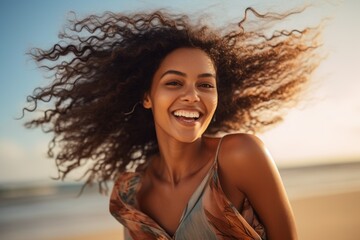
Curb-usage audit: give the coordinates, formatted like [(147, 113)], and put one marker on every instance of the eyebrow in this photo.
[(202, 75)]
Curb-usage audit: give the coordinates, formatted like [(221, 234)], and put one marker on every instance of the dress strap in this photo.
[(218, 150)]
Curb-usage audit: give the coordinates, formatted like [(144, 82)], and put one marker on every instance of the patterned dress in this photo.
[(197, 221)]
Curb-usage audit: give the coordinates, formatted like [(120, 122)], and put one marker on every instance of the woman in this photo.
[(144, 95)]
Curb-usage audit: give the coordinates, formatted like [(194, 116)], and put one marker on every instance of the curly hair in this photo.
[(104, 65)]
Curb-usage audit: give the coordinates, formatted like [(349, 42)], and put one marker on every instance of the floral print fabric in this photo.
[(197, 222)]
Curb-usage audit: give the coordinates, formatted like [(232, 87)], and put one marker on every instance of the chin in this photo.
[(188, 137)]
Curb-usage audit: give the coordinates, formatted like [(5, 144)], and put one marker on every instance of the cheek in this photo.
[(212, 102), (162, 101), (163, 97)]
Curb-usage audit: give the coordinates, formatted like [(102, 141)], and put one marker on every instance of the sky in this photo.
[(324, 128)]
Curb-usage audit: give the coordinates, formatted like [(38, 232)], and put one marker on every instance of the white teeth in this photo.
[(187, 114)]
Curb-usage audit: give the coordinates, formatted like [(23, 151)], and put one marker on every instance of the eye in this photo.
[(173, 83), (206, 85)]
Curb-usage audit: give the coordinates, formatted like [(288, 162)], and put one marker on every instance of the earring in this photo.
[(132, 110)]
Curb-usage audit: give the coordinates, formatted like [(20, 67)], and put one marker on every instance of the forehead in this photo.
[(189, 60)]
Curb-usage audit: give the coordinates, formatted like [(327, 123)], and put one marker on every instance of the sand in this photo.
[(331, 216), (114, 234), (335, 216)]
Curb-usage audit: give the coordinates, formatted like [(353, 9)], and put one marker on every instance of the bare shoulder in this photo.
[(247, 160), (249, 165), (245, 153), (242, 143)]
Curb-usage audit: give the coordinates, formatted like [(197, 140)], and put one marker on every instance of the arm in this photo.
[(255, 174)]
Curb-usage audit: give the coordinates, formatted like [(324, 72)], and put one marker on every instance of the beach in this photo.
[(325, 200), (335, 216)]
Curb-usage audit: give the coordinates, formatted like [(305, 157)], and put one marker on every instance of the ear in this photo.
[(147, 101)]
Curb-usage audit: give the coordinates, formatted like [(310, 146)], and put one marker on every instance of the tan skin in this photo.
[(186, 82)]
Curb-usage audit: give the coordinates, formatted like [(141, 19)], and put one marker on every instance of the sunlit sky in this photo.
[(324, 128)]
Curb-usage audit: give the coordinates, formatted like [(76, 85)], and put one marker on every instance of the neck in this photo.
[(178, 161)]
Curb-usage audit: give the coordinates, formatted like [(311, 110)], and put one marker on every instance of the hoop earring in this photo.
[(132, 110)]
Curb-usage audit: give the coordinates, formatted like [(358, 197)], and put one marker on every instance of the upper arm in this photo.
[(256, 175)]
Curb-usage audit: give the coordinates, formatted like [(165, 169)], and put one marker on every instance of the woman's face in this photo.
[(183, 94)]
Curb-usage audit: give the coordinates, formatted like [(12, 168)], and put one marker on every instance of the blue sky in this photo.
[(326, 129)]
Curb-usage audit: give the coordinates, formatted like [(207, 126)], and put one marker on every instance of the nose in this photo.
[(190, 94)]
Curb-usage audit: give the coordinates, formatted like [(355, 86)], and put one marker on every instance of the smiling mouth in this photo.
[(188, 116)]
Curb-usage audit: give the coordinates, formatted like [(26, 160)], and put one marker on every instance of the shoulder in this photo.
[(244, 149), (242, 143), (246, 159), (247, 162)]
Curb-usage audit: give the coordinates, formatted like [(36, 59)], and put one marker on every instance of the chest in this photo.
[(166, 204)]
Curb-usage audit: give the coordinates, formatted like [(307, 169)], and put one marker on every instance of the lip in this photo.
[(188, 123), (184, 121)]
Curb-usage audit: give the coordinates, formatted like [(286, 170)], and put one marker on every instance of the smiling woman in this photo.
[(184, 87), (174, 179)]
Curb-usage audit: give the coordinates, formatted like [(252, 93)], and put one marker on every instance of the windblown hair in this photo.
[(104, 65)]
